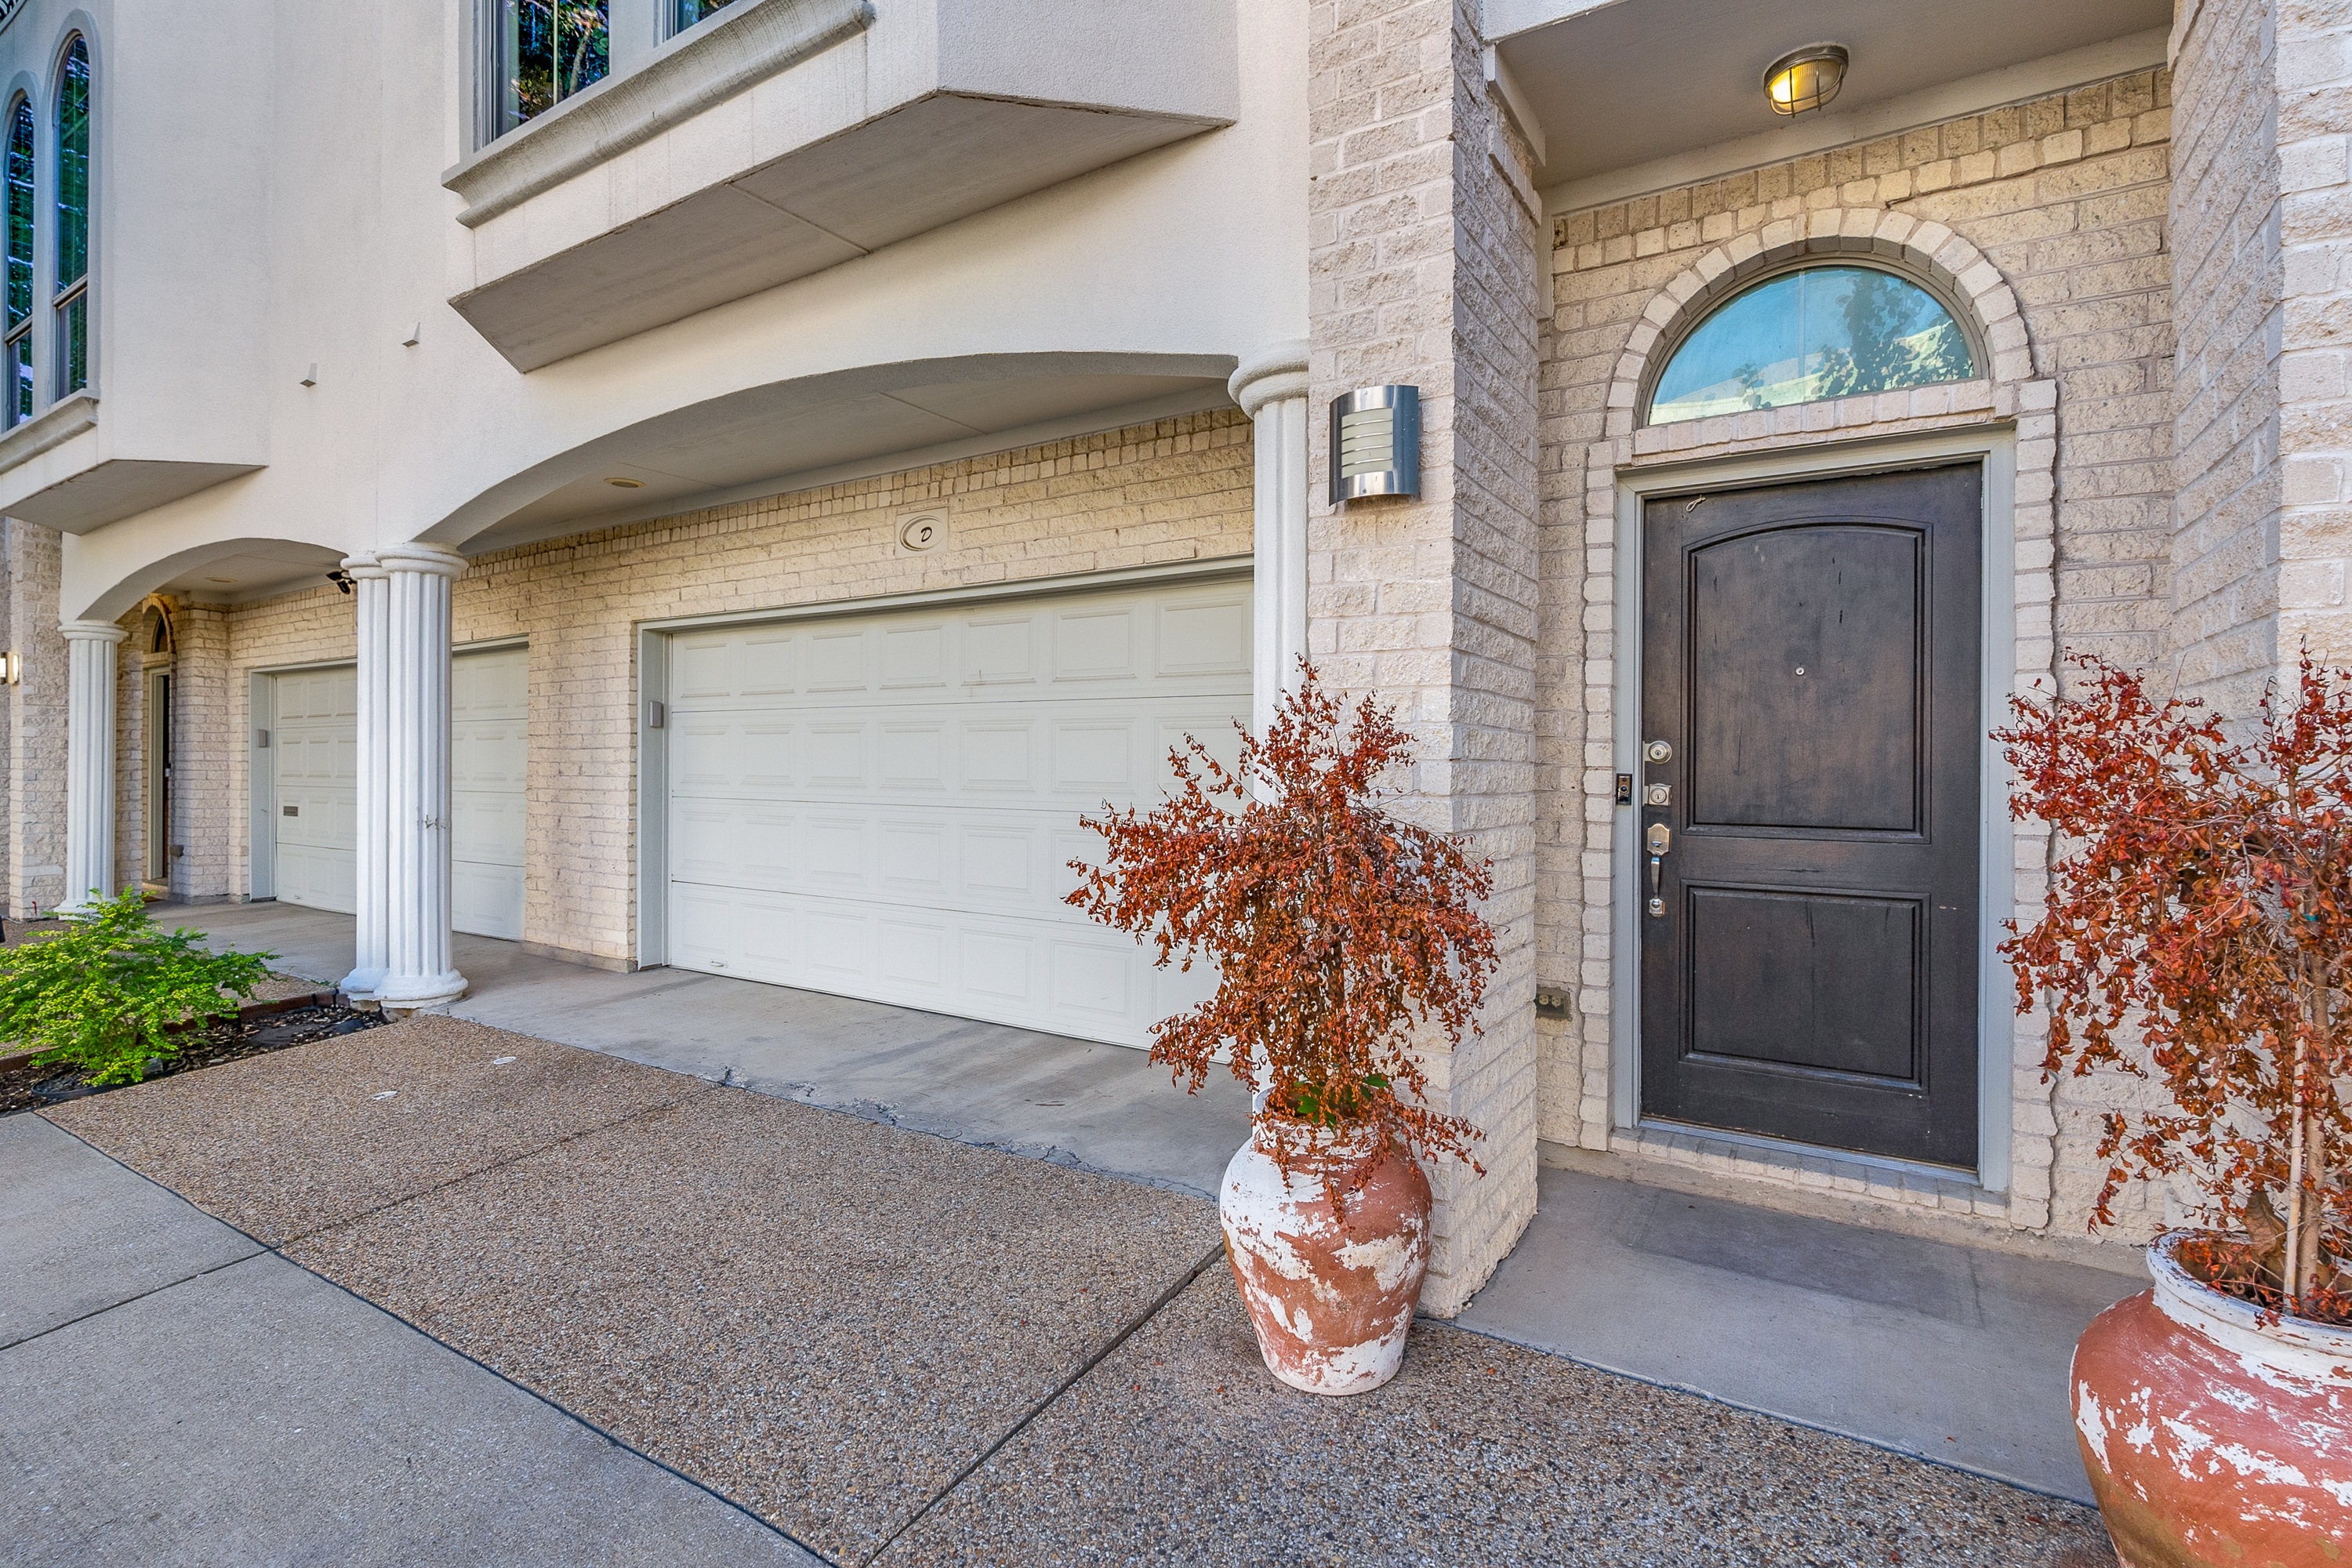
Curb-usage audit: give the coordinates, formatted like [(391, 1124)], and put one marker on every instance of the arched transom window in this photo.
[(1834, 330)]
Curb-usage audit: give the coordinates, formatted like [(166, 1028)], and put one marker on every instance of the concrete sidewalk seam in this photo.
[(1175, 1288), (262, 1249), (258, 1250)]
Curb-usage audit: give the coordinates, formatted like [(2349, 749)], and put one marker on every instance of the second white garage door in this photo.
[(314, 751), (884, 805)]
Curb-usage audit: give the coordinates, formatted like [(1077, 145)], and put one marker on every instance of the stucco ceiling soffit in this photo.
[(1621, 84)]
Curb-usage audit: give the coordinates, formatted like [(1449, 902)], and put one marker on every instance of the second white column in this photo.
[(412, 767)]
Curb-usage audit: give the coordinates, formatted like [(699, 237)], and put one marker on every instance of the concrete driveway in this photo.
[(527, 1302)]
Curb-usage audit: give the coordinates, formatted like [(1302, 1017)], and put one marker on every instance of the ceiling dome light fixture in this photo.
[(1806, 78), (622, 484)]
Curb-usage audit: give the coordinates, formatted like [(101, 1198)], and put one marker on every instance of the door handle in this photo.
[(1661, 838)]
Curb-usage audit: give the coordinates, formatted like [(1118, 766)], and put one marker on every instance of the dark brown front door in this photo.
[(1809, 671)]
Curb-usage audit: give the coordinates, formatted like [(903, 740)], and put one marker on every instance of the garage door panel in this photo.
[(1091, 645), (925, 778), (486, 899), (913, 756), (913, 859), (1204, 637)]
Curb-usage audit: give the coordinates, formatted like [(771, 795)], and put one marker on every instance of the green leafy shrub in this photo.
[(101, 995)]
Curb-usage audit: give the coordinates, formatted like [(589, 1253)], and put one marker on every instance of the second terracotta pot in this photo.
[(2214, 1438), (1331, 1291)]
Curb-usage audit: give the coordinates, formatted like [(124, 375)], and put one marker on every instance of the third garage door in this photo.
[(883, 805)]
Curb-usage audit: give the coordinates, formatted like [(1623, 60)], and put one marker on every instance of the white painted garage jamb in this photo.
[(653, 800), (261, 840), (1996, 447), (653, 692)]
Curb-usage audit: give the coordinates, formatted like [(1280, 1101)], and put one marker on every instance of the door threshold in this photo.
[(1653, 1130)]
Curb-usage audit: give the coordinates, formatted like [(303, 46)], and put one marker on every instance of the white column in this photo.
[(90, 761), (371, 592), (1271, 387), (416, 798)]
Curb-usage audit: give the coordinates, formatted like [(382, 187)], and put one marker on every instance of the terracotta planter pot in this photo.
[(2210, 1439), (1331, 1295)]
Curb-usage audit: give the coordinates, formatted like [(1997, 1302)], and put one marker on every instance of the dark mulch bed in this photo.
[(29, 1087)]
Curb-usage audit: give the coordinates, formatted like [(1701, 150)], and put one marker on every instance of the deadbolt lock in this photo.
[(1660, 794), (1659, 751)]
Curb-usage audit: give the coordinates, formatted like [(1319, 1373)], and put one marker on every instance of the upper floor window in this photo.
[(17, 177), (71, 297), (1804, 336), (689, 12), (546, 50)]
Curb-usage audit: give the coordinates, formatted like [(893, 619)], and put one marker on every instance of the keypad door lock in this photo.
[(1658, 752)]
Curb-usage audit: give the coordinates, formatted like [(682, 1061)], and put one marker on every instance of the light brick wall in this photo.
[(1174, 489), (36, 723), (2227, 277), (206, 733), (1424, 270), (2315, 378), (2046, 219)]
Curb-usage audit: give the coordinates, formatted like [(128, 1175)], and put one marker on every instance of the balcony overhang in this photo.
[(787, 136), (61, 470)]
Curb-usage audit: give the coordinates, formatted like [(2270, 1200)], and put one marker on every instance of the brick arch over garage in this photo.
[(1960, 272)]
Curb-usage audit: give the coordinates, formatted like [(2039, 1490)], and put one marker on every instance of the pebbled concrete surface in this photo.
[(825, 1318), (258, 1414), (283, 1144), (1177, 1448), (1954, 1353), (79, 1234)]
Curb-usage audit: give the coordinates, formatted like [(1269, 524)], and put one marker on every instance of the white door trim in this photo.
[(1996, 445)]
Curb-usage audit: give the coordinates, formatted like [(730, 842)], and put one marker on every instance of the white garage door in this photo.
[(314, 750), (314, 756), (489, 747), (884, 805)]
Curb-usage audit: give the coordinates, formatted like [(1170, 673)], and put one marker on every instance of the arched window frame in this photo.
[(69, 297), (17, 325), (1703, 307)]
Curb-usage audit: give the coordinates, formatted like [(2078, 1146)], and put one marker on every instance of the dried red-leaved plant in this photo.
[(1336, 928), (2203, 910)]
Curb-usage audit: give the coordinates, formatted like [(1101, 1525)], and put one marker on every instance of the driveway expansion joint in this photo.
[(1175, 1288)]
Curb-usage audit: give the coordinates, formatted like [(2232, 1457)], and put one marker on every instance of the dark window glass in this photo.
[(20, 212), (73, 222), (18, 369), (547, 50), (73, 168), (689, 12), (1825, 331)]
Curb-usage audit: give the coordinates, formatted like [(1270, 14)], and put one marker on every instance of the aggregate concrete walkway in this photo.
[(890, 1346), (1922, 1345)]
